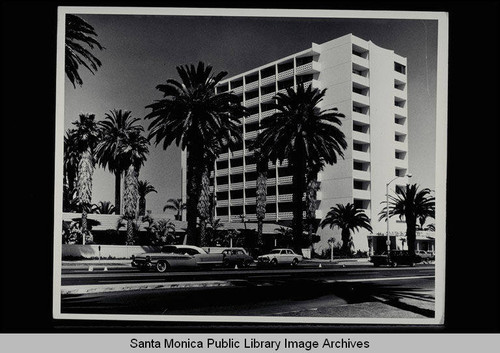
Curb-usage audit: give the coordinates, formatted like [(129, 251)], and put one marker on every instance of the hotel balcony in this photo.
[(362, 118), (237, 202), (237, 90), (401, 146), (223, 187), (222, 203), (287, 180), (400, 111), (403, 129), (237, 154), (237, 170), (364, 100), (223, 218), (285, 74), (266, 81), (358, 60), (400, 94), (270, 216), (252, 102), (237, 186), (400, 77), (251, 217), (250, 168), (400, 163), (361, 194), (251, 184), (361, 137), (361, 156), (252, 118), (362, 80), (235, 218), (223, 156), (251, 201), (314, 83), (267, 97), (308, 68), (251, 85), (222, 172), (361, 175), (285, 198), (285, 215), (251, 135), (267, 113)]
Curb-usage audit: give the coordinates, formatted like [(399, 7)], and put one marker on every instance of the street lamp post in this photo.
[(388, 241)]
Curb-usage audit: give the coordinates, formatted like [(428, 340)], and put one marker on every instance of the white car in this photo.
[(280, 256)]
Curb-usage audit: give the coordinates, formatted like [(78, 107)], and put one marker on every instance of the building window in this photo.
[(400, 68), (303, 61), (399, 103), (269, 71), (251, 78), (223, 88)]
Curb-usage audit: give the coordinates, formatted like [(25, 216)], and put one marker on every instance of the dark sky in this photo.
[(143, 51)]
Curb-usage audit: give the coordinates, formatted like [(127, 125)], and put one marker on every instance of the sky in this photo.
[(143, 51)]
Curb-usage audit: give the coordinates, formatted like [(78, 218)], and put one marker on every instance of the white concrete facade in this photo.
[(368, 85)]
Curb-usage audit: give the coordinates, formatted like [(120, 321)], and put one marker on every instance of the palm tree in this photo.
[(87, 135), (190, 114), (301, 132), (134, 149), (164, 231), (116, 126), (312, 187), (177, 206), (260, 194), (79, 35), (348, 219), (144, 188), (70, 166), (103, 207), (410, 204)]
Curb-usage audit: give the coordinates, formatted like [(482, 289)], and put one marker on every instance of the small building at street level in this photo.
[(366, 83)]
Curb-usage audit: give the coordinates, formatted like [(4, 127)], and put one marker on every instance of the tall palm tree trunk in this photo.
[(298, 191), (142, 206), (193, 187), (346, 241), (311, 196), (118, 198), (204, 204), (85, 171), (130, 199), (261, 199), (411, 233)]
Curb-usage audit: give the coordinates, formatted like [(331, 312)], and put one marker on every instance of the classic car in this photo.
[(395, 258), (425, 255), (232, 256), (176, 256), (279, 256)]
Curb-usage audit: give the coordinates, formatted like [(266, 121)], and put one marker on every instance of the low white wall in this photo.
[(113, 251)]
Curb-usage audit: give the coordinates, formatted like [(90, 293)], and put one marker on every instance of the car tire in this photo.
[(394, 264), (162, 266), (295, 262), (274, 262)]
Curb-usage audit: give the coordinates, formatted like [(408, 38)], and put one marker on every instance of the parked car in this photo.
[(425, 255), (176, 256), (280, 256), (395, 258), (232, 256)]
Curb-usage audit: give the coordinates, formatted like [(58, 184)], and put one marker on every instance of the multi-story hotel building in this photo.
[(368, 84)]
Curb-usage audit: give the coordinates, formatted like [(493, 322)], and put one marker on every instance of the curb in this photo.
[(106, 288)]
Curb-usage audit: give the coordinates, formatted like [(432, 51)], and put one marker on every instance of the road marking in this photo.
[(376, 279)]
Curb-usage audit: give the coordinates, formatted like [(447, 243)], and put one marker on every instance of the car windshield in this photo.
[(275, 251)]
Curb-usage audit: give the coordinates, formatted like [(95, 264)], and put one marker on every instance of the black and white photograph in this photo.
[(261, 166)]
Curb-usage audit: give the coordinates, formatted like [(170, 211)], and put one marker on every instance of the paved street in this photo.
[(330, 291)]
